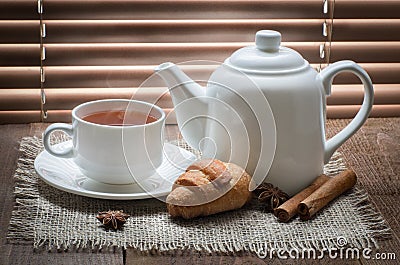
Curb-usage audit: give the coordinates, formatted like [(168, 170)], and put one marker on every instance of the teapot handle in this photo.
[(326, 77)]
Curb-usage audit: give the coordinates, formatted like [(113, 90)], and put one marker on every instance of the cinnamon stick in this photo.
[(287, 210), (331, 189)]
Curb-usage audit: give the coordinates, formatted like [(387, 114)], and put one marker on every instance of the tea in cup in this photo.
[(114, 141)]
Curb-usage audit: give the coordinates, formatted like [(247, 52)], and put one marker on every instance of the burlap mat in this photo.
[(56, 219)]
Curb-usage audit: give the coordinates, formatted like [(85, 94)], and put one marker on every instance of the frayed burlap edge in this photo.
[(27, 194)]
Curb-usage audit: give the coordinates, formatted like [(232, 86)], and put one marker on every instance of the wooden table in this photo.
[(362, 153)]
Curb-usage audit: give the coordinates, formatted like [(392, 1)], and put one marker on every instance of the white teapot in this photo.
[(264, 109)]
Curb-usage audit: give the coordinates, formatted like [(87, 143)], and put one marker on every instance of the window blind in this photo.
[(366, 31), (56, 54)]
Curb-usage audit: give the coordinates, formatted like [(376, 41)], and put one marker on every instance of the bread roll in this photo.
[(208, 187)]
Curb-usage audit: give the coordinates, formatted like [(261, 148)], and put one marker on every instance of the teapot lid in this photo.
[(267, 55)]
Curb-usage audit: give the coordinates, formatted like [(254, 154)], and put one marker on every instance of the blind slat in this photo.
[(20, 9), (367, 9), (354, 94), (349, 111), (19, 116), (148, 53), (100, 54), (78, 31), (69, 98), (179, 9), (211, 30), (380, 73), (366, 52), (133, 76), (366, 30), (20, 77), (19, 54), (19, 99), (19, 31), (113, 76)]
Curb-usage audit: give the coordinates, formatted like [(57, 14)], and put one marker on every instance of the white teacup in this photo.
[(113, 154)]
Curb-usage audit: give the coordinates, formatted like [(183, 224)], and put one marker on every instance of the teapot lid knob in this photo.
[(267, 55), (268, 40)]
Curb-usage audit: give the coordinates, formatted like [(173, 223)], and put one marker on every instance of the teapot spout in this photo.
[(190, 104), (176, 78)]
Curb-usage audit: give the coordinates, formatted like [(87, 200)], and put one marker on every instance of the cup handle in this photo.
[(66, 128), (326, 77)]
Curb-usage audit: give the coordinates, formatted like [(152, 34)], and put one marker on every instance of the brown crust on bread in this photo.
[(194, 195), (192, 178)]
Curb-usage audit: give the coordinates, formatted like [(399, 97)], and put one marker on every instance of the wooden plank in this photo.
[(385, 200)]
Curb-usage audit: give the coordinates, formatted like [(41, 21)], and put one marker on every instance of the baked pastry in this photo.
[(208, 187)]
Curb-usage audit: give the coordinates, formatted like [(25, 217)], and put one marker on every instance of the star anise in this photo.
[(270, 195), (113, 219)]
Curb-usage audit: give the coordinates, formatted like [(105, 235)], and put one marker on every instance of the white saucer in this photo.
[(65, 175)]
